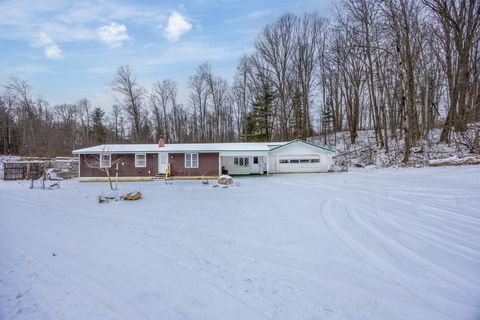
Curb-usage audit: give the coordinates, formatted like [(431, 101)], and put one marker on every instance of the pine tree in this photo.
[(248, 127), (327, 121), (98, 128), (257, 126)]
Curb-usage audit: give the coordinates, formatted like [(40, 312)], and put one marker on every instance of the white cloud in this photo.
[(71, 21), (176, 26), (50, 48), (113, 35), (44, 39), (53, 52)]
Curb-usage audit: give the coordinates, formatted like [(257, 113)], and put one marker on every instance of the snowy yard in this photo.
[(369, 244)]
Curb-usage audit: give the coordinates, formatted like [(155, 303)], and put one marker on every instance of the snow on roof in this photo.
[(24, 161), (180, 147), (305, 142)]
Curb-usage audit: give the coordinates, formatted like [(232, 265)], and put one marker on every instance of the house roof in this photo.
[(24, 161), (180, 147), (301, 141), (191, 147)]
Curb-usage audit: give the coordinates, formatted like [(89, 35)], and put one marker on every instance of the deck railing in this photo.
[(168, 172)]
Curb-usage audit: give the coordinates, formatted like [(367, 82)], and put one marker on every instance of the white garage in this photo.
[(299, 156)]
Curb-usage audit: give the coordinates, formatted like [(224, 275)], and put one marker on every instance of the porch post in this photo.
[(219, 164)]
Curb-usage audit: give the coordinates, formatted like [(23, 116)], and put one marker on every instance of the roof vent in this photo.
[(161, 143)]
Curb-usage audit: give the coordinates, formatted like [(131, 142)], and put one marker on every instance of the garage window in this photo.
[(298, 161)]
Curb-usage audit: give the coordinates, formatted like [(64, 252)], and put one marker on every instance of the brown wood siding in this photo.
[(127, 169), (207, 165)]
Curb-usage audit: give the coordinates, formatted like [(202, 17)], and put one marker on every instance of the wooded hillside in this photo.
[(398, 67)]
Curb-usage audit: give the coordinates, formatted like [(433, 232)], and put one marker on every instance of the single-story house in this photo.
[(146, 161)]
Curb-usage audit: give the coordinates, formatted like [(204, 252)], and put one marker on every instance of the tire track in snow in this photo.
[(394, 246), (373, 260), (436, 216), (454, 230), (452, 278), (429, 234)]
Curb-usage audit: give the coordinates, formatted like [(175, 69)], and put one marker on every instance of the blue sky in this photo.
[(68, 50)]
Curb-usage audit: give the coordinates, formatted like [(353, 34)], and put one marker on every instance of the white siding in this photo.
[(299, 151), (228, 163)]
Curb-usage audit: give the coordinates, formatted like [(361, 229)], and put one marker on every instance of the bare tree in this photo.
[(27, 113), (459, 35), (159, 101), (66, 115), (241, 95), (132, 99), (94, 162), (7, 123), (276, 45), (83, 111), (199, 100), (116, 127)]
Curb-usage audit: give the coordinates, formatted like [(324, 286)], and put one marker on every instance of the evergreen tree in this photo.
[(327, 121), (257, 126), (98, 127)]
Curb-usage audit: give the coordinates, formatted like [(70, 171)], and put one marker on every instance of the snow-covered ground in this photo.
[(367, 244)]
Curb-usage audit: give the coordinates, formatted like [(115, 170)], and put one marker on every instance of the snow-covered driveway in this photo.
[(370, 244)]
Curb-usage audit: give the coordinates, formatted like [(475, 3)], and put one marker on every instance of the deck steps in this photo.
[(160, 176)]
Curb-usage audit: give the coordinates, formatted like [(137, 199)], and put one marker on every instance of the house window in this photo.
[(241, 161), (105, 161), (140, 160), (304, 161), (314, 160), (191, 160), (283, 161)]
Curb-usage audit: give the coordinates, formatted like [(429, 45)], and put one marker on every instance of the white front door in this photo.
[(162, 162), (255, 165)]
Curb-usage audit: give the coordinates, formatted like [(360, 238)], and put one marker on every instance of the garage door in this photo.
[(292, 163)]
